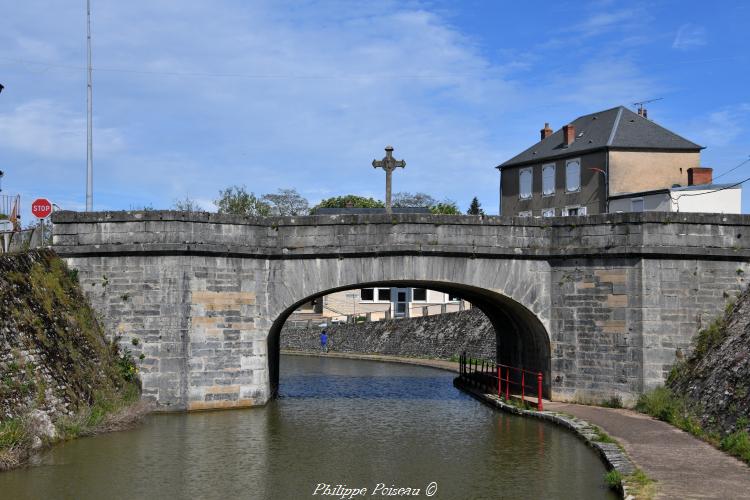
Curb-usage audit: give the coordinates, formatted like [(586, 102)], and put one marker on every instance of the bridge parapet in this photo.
[(716, 236)]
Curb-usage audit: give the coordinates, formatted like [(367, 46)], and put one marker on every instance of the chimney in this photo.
[(700, 175), (643, 112), (569, 134), (546, 131)]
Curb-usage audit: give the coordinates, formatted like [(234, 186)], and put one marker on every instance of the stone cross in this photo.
[(389, 164)]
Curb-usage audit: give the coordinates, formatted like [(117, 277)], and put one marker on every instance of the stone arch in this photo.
[(521, 338)]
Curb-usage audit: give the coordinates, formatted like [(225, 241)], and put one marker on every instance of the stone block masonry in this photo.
[(438, 336), (601, 305)]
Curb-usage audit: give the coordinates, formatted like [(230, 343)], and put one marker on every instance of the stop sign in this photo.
[(41, 208)]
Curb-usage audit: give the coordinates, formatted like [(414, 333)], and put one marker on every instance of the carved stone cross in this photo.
[(389, 164)]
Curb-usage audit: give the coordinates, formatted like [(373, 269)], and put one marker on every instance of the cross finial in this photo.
[(389, 164)]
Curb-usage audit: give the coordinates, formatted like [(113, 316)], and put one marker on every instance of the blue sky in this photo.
[(193, 96)]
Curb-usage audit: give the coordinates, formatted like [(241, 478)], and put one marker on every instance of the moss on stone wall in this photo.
[(56, 366)]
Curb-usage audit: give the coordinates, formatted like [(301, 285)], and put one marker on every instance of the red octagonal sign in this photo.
[(41, 208)]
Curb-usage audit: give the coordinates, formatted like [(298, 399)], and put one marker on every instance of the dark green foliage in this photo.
[(445, 207), (348, 201), (475, 208), (613, 479)]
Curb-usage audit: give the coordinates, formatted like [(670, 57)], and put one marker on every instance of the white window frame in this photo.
[(548, 212), (643, 204), (426, 295), (581, 211), (567, 166), (545, 192), (525, 213), (530, 171)]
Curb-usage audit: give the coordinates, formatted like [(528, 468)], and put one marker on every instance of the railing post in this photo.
[(507, 383), (539, 405), (523, 385), (499, 382)]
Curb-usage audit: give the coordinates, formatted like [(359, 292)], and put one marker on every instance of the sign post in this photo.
[(41, 208)]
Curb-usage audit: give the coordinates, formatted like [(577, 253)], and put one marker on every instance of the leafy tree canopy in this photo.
[(445, 207), (236, 200), (405, 199), (348, 201), (287, 202)]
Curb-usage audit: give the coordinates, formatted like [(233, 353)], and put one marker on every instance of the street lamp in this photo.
[(353, 296)]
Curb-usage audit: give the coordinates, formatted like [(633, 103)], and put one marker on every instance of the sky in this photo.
[(191, 97)]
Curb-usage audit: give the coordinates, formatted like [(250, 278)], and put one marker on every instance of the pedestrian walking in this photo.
[(324, 341)]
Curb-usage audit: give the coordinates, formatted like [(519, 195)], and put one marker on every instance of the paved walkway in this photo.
[(683, 466)]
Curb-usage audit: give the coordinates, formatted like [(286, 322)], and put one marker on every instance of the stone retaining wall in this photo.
[(438, 336)]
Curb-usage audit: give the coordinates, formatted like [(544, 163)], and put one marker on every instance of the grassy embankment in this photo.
[(54, 357), (664, 404)]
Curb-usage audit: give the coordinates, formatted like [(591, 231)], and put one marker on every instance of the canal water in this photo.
[(337, 422)]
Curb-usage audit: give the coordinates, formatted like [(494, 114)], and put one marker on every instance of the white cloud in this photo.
[(722, 127), (43, 128), (689, 36), (274, 94)]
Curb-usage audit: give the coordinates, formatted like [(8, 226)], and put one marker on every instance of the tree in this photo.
[(236, 200), (348, 201), (287, 202), (445, 207), (475, 208), (187, 204), (405, 199)]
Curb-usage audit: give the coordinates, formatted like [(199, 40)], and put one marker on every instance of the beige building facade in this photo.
[(375, 304), (577, 169)]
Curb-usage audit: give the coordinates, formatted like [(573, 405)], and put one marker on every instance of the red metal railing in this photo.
[(507, 380)]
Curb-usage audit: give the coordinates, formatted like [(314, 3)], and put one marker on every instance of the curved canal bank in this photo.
[(337, 421), (681, 465)]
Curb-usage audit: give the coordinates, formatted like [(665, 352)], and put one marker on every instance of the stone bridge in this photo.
[(602, 305)]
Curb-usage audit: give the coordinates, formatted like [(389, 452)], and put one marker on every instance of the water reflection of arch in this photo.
[(521, 338)]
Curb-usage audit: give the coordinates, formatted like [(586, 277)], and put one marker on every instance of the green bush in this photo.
[(737, 444), (126, 366), (613, 479), (660, 403), (13, 433)]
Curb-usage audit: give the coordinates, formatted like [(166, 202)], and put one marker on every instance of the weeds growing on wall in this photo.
[(48, 315)]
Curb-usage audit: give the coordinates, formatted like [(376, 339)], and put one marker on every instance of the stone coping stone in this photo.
[(71, 217)]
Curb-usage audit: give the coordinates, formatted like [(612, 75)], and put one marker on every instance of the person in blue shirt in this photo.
[(324, 341)]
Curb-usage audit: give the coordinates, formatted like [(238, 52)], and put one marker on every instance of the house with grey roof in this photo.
[(577, 169)]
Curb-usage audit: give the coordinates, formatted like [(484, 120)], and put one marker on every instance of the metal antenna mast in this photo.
[(89, 124), (641, 110)]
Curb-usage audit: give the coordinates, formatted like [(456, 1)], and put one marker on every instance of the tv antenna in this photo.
[(641, 110)]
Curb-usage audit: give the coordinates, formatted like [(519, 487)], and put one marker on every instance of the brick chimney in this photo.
[(546, 131), (700, 175), (643, 112), (569, 134)]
